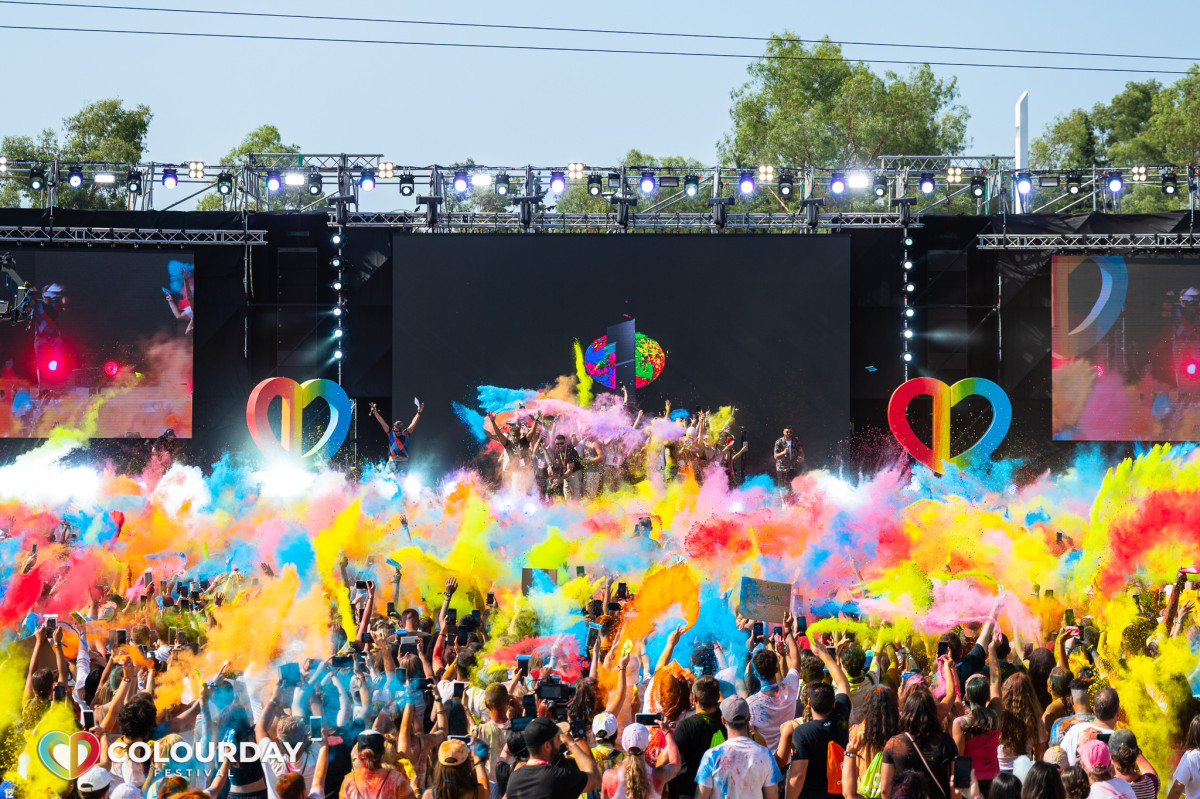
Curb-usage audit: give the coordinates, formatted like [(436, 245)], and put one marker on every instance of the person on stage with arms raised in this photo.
[(397, 440)]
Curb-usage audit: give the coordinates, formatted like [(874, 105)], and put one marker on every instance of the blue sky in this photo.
[(421, 105)]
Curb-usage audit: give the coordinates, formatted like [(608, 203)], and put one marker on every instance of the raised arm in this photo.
[(387, 428), (840, 683), (669, 649), (415, 418)]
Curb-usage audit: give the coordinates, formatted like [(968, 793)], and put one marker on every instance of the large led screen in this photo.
[(96, 341), (1126, 348), (760, 323)]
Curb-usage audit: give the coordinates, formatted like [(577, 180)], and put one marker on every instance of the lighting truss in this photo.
[(1089, 242), (34, 234)]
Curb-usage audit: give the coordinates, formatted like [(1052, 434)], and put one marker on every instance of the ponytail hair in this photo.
[(637, 784)]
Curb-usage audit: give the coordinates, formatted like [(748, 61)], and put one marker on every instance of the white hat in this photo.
[(125, 791), (635, 736), (604, 725), (96, 778)]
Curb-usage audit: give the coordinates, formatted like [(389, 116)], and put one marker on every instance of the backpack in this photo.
[(835, 755), (868, 781)]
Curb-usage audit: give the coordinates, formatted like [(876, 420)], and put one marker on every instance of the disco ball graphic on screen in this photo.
[(600, 361)]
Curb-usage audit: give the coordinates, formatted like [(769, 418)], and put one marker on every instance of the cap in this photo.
[(1056, 756), (635, 736), (1093, 754), (371, 739), (453, 753), (605, 726), (96, 778), (735, 710), (539, 732), (1122, 738), (125, 791)]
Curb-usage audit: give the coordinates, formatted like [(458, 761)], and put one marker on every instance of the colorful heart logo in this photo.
[(296, 397), (68, 756), (1110, 301), (944, 398)]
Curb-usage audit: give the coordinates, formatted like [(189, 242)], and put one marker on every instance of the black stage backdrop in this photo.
[(759, 322)]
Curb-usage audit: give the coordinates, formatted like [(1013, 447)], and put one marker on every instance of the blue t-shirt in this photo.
[(738, 769), (398, 445)]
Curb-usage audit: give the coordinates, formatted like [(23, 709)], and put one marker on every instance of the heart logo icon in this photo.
[(68, 756), (1110, 301), (296, 397), (944, 398)]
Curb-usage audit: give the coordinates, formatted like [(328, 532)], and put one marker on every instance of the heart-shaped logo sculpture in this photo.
[(1110, 301), (944, 398), (68, 756), (296, 397)]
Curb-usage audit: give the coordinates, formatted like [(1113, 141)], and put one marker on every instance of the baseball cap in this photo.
[(1056, 756), (1093, 754), (371, 739), (1122, 738), (96, 778), (125, 791), (540, 731), (604, 725), (453, 753), (735, 710), (635, 736)]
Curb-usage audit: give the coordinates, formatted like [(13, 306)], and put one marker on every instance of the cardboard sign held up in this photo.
[(764, 600), (527, 578)]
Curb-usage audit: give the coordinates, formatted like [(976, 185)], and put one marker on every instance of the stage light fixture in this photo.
[(1115, 182), (337, 333), (786, 185), (133, 182), (105, 178), (907, 357), (1170, 183), (1024, 183), (366, 180), (37, 178), (407, 185), (74, 177), (746, 182), (927, 183), (386, 170), (337, 285), (1138, 174), (575, 171), (170, 178), (336, 238), (910, 313), (668, 181), (558, 183), (460, 182), (880, 186), (315, 183), (908, 334), (595, 184), (908, 241), (293, 178), (337, 311), (225, 184), (336, 262), (766, 173), (857, 179), (978, 186), (954, 174), (909, 288), (647, 183), (908, 264), (3, 164), (196, 170), (481, 180), (1074, 184), (337, 355), (111, 368), (274, 180), (52, 365), (837, 183), (1047, 181), (502, 185)]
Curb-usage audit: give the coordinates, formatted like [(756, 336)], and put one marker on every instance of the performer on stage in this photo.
[(789, 458), (48, 307), (397, 440)]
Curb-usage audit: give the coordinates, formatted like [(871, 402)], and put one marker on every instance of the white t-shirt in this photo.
[(1187, 773), (770, 710), (1070, 741), (305, 767), (738, 769), (1116, 788)]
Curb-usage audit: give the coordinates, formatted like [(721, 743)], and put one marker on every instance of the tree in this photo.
[(1069, 142), (263, 139), (812, 107), (102, 132)]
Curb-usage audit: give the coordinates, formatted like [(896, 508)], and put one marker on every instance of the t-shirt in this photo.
[(694, 736), (398, 445), (771, 708), (305, 767), (810, 741), (939, 751), (1187, 773), (546, 782), (972, 663), (859, 691), (1146, 786), (1116, 788), (1070, 742), (380, 784), (738, 769), (1058, 730)]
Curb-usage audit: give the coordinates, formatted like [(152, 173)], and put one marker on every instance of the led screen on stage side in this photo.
[(99, 341), (757, 322), (1126, 348)]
